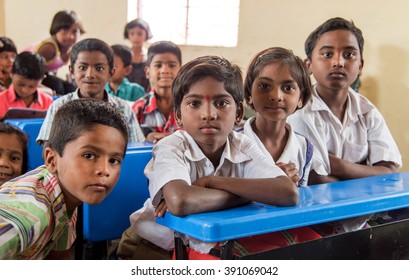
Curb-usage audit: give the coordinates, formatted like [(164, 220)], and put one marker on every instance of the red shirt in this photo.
[(9, 99)]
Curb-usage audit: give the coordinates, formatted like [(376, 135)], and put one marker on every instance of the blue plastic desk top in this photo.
[(317, 204)]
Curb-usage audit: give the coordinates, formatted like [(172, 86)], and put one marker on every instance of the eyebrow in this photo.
[(99, 150), (271, 80), (331, 47), (200, 96)]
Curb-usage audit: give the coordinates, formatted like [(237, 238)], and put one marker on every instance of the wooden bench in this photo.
[(317, 204)]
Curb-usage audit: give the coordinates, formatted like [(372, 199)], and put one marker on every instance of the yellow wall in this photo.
[(263, 23)]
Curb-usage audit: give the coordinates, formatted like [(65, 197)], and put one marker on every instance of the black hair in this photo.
[(162, 47), (64, 20), (124, 53), (216, 67), (332, 24), (138, 23), (90, 45), (8, 128), (80, 115), (29, 65), (283, 57), (7, 45)]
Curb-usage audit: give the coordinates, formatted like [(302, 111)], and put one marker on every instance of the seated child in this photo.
[(118, 84), (350, 136), (155, 110), (277, 84), (8, 52), (92, 63), (27, 74), (207, 166), (13, 152), (38, 210)]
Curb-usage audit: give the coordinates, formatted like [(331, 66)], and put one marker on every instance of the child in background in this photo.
[(8, 53), (277, 84), (350, 136), (118, 84), (65, 30), (92, 63), (155, 110), (38, 210), (138, 32), (207, 166), (13, 152), (27, 74)]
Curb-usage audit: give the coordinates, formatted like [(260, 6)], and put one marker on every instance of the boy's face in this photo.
[(275, 94), (335, 61), (6, 63), (91, 72), (120, 70), (24, 87), (90, 165), (137, 36), (162, 70), (11, 157), (208, 113)]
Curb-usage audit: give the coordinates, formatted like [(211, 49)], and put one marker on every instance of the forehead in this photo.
[(10, 142), (165, 57), (206, 88), (275, 70), (91, 57), (337, 39), (22, 80), (136, 29)]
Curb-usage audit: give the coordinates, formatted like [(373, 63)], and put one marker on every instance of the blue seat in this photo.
[(110, 219), (31, 127)]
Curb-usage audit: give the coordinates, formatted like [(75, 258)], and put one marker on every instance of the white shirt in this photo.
[(295, 150), (362, 136), (178, 157)]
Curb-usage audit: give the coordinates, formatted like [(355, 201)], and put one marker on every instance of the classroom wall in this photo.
[(263, 23)]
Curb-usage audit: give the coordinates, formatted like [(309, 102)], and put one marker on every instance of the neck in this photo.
[(335, 99)]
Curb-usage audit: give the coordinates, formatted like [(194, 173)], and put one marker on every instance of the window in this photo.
[(190, 22)]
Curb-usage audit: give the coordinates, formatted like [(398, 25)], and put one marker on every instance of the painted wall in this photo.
[(263, 23)]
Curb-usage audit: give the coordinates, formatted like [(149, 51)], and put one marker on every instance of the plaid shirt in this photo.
[(33, 217), (149, 116)]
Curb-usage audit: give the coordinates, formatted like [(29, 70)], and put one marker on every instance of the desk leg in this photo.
[(180, 249), (226, 251)]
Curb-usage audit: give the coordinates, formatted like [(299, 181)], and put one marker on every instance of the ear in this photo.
[(360, 68), (50, 159), (178, 118), (239, 113), (71, 70), (147, 72), (112, 72), (127, 70), (300, 102), (307, 62)]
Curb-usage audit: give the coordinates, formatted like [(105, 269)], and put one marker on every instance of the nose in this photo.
[(276, 94), (90, 73), (208, 112), (165, 68), (103, 168), (338, 61)]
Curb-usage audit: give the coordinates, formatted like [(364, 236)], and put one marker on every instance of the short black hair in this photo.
[(8, 128), (64, 20), (29, 65), (90, 45), (7, 45), (283, 57), (124, 53), (80, 115), (332, 24), (162, 47), (216, 67), (138, 23)]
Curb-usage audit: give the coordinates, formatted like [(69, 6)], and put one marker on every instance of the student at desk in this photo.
[(207, 166)]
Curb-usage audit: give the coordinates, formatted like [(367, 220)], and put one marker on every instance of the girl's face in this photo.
[(137, 36), (6, 63), (275, 94), (68, 37), (11, 157)]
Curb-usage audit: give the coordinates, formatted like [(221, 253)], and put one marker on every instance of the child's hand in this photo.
[(204, 182), (161, 209), (291, 170), (155, 136)]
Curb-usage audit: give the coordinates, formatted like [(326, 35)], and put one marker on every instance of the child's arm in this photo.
[(290, 169), (184, 199), (346, 170), (279, 191)]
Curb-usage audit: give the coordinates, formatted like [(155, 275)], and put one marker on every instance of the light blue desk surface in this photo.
[(317, 204)]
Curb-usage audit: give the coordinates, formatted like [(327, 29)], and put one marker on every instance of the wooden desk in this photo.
[(317, 204)]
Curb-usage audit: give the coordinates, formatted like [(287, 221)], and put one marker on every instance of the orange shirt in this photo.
[(9, 99)]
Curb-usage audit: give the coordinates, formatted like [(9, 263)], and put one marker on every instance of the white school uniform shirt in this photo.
[(295, 150), (178, 157), (362, 136)]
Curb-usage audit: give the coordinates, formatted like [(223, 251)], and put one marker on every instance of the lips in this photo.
[(337, 74), (209, 128), (5, 176), (99, 187)]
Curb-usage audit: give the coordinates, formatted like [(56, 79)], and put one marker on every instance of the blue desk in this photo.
[(317, 204)]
